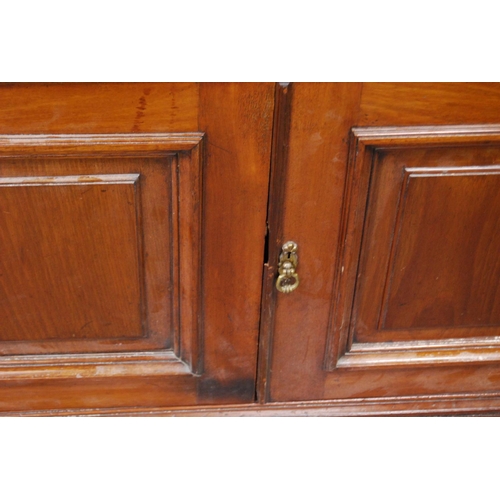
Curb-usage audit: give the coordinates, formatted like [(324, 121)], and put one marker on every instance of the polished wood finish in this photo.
[(462, 405), (446, 234), (442, 271), (63, 281), (274, 230), (79, 286), (417, 203), (134, 390), (98, 108), (237, 120), (407, 104), (141, 226), (132, 222), (461, 267), (320, 121), (94, 269)]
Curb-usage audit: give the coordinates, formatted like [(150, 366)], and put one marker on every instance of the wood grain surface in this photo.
[(160, 208), (427, 336), (98, 108), (237, 119), (61, 279), (320, 120), (178, 252), (450, 103)]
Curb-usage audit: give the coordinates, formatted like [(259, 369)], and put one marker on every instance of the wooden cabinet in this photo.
[(140, 232)]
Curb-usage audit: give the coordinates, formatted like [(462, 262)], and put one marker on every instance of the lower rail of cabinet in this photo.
[(441, 405)]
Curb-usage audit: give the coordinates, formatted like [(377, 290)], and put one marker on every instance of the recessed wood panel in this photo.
[(429, 259), (94, 240), (422, 240), (61, 276), (446, 267)]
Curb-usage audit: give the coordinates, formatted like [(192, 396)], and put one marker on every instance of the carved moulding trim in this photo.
[(340, 350), (446, 404), (97, 144), (187, 356)]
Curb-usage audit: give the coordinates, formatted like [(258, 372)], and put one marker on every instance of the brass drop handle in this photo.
[(288, 279)]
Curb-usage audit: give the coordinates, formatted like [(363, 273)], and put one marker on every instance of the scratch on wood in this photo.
[(218, 147)]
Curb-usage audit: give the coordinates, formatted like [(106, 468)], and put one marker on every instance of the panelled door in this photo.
[(392, 194), (131, 243)]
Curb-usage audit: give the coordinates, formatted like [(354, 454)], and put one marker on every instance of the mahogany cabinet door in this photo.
[(132, 226), (392, 194)]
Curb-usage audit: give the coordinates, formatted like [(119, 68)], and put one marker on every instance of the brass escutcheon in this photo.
[(288, 279)]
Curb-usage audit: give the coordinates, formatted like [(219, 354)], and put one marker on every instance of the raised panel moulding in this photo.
[(156, 194), (394, 173), (59, 259)]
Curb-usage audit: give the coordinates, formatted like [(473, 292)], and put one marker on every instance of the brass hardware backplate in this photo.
[(288, 279)]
